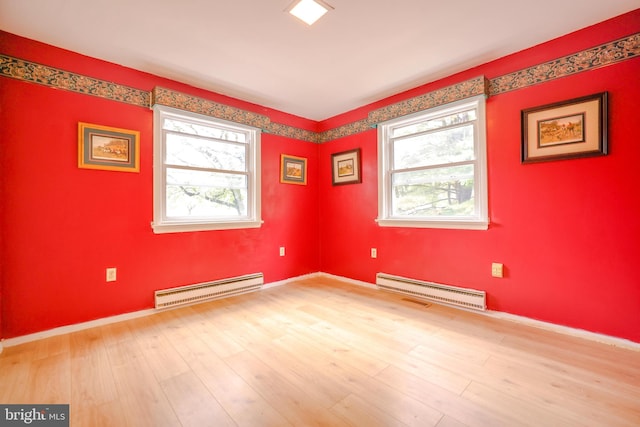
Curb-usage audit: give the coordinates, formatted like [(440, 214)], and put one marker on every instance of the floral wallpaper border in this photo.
[(458, 91), (590, 59), (60, 79), (194, 104), (606, 54)]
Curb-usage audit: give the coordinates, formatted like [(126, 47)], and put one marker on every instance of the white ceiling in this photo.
[(362, 51)]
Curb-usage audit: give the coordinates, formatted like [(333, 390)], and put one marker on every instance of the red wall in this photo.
[(567, 232), (63, 226)]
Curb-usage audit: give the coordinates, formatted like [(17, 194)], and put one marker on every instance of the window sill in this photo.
[(450, 224), (204, 226)]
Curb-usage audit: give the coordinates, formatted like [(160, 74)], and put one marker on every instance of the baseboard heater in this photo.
[(436, 292), (208, 291)]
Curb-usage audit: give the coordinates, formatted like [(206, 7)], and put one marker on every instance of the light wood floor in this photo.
[(324, 353)]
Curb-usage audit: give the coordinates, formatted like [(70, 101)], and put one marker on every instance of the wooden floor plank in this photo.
[(139, 391), (243, 404), (444, 401), (519, 411), (294, 403), (91, 375), (359, 412), (320, 352), (50, 377), (192, 402), (104, 415), (14, 374)]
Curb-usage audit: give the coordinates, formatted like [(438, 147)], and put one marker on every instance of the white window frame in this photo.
[(480, 219), (161, 224)]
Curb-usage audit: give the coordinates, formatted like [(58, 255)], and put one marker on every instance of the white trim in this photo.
[(160, 223), (291, 280), (480, 219), (450, 224), (351, 281), (10, 342), (565, 330), (167, 227)]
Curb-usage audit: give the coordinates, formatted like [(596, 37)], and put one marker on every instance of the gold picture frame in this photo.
[(293, 170), (108, 148), (565, 130)]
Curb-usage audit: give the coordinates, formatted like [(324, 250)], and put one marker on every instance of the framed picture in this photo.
[(108, 148), (565, 130), (293, 170), (345, 167)]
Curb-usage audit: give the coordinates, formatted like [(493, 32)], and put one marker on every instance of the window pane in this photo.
[(435, 148), (183, 150), (198, 194), (200, 130), (435, 123), (433, 192)]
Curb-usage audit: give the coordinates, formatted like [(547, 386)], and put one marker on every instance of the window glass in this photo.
[(185, 150), (434, 148)]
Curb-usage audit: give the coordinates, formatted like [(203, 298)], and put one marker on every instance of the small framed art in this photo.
[(565, 130), (108, 148), (345, 167), (293, 170)]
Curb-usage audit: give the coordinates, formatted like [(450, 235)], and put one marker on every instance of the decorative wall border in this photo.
[(53, 77), (194, 104), (344, 130), (456, 92), (590, 59), (600, 56), (292, 132)]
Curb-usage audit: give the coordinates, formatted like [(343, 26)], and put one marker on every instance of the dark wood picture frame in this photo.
[(346, 167), (565, 130)]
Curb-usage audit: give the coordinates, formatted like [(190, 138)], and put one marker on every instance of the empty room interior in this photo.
[(389, 214)]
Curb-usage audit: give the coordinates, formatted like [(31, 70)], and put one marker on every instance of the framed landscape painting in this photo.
[(293, 170), (345, 167), (565, 130), (108, 148)]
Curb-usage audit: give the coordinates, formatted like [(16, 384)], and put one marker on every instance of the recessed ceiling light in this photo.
[(308, 11)]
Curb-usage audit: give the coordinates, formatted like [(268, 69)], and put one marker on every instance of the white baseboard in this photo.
[(351, 281), (10, 342), (291, 280), (605, 339), (565, 330)]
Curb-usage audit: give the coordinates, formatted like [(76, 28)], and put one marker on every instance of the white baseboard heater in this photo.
[(208, 291), (436, 292)]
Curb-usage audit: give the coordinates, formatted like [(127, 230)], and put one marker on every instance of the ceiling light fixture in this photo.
[(308, 11)]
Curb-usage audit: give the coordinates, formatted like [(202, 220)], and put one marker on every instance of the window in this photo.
[(206, 173), (432, 168)]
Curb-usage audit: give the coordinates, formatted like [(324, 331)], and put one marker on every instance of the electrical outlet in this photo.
[(281, 250), (111, 274), (374, 253), (497, 269)]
